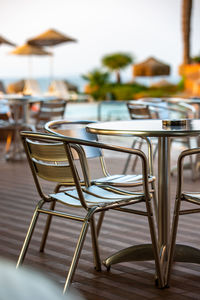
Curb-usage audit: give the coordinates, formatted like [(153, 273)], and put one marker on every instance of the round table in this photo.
[(20, 118), (155, 128)]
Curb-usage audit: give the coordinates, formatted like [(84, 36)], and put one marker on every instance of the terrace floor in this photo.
[(130, 280)]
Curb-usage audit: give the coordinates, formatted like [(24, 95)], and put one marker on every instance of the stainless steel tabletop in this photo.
[(151, 128)]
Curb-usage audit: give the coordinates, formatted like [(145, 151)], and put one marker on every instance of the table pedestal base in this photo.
[(188, 254), (134, 253), (183, 253)]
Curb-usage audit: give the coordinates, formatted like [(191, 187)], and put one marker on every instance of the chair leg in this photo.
[(100, 221), (155, 151), (76, 256), (29, 234), (95, 246), (193, 169), (192, 161), (46, 229), (155, 201), (155, 246), (173, 241)]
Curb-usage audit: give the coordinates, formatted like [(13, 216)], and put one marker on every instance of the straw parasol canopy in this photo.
[(151, 67), (50, 38), (5, 41), (28, 50)]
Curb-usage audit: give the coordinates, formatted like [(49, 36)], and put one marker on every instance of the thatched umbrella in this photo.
[(28, 50), (5, 41), (50, 38), (151, 67)]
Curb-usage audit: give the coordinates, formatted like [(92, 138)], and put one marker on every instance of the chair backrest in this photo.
[(139, 111), (168, 108), (76, 129), (183, 109), (150, 100), (50, 110), (51, 158)]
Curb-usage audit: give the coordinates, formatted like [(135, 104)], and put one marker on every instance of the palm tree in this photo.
[(96, 77), (116, 62), (97, 80), (186, 20)]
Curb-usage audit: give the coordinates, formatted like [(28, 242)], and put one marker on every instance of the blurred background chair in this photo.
[(11, 123), (178, 109), (164, 108), (13, 111), (192, 198), (49, 110), (51, 158)]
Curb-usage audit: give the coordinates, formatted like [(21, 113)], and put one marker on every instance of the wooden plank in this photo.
[(130, 280)]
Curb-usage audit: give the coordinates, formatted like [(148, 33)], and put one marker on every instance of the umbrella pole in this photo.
[(51, 75), (29, 67)]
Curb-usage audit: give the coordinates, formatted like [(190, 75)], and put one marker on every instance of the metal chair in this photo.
[(77, 129), (12, 122), (49, 110), (140, 111), (189, 197), (51, 158), (14, 149)]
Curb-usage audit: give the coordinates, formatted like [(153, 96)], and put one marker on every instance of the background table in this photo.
[(20, 117)]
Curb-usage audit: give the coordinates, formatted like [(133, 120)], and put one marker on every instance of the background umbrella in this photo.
[(28, 50), (151, 67), (50, 38), (5, 41)]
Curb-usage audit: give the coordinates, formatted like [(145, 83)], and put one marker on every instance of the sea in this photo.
[(78, 81)]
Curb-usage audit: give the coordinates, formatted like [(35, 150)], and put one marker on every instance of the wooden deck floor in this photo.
[(130, 280)]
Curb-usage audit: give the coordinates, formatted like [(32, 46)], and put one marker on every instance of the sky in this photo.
[(141, 28)]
